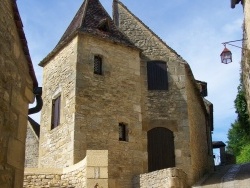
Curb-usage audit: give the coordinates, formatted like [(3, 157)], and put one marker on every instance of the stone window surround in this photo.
[(151, 85), (124, 128), (56, 94), (98, 61)]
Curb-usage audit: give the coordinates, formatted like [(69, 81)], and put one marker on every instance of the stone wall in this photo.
[(246, 53), (104, 101), (202, 156), (31, 148), (16, 92), (59, 78), (171, 177), (160, 108), (89, 172), (171, 109)]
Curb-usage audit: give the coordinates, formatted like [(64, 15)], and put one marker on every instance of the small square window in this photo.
[(123, 133), (98, 65)]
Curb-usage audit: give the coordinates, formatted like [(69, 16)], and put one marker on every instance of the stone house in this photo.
[(17, 82), (246, 45), (113, 87)]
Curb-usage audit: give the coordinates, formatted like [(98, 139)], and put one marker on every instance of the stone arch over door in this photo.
[(160, 149)]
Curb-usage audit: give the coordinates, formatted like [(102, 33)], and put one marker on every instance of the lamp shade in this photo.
[(226, 56)]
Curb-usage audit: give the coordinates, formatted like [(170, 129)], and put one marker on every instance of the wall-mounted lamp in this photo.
[(226, 54)]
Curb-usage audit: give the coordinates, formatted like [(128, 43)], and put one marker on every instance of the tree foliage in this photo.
[(244, 155), (239, 133)]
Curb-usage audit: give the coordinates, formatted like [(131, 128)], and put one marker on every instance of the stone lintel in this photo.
[(153, 123)]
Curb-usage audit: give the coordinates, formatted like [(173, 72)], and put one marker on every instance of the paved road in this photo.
[(230, 176)]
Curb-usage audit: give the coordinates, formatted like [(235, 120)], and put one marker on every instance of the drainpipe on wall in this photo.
[(39, 102)]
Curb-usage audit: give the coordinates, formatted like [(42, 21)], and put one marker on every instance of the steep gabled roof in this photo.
[(93, 19), (116, 21), (35, 126), (19, 25)]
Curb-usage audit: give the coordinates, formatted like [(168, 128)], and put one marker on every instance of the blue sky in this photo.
[(194, 29)]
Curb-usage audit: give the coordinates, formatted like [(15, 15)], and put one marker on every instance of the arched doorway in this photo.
[(160, 149)]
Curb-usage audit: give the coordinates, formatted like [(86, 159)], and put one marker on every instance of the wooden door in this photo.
[(160, 149)]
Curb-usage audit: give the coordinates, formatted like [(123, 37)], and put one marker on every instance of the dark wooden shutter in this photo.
[(157, 75), (160, 149), (56, 105)]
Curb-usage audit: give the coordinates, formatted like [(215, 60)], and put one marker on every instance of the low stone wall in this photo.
[(91, 171), (170, 177)]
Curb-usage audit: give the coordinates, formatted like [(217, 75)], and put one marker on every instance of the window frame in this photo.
[(157, 75), (123, 132), (98, 63), (56, 112)]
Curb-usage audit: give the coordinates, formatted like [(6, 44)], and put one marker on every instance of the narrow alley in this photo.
[(229, 176)]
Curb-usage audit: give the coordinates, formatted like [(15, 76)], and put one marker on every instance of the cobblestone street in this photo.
[(230, 176)]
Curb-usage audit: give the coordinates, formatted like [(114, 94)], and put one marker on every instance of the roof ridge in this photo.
[(86, 21), (153, 33), (66, 34)]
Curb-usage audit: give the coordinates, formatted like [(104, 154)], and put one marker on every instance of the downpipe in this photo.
[(39, 102)]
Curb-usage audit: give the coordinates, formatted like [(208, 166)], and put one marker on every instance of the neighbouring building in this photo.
[(246, 47), (121, 108), (17, 81)]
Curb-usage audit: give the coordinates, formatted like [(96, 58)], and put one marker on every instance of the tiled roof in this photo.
[(35, 126), (89, 19), (218, 144), (23, 40), (234, 2), (116, 16)]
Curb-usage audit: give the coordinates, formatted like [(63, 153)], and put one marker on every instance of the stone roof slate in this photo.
[(89, 19), (116, 16), (218, 144), (35, 126)]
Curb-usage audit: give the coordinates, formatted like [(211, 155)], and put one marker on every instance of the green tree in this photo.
[(244, 155), (239, 133)]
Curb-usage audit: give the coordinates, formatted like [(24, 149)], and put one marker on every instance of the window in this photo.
[(98, 65), (157, 75), (123, 136), (55, 119), (104, 25)]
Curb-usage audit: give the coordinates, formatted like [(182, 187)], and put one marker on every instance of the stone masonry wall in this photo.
[(16, 92), (104, 101), (246, 53), (31, 148), (202, 158), (161, 108), (171, 177), (59, 75), (89, 172)]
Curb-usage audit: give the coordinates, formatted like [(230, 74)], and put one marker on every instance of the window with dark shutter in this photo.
[(157, 75), (98, 65), (55, 120), (123, 136)]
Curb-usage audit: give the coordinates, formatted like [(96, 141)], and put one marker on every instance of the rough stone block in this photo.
[(28, 93), (16, 153)]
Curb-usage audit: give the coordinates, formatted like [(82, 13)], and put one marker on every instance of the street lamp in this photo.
[(226, 54)]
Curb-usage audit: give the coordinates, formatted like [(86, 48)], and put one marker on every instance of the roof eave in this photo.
[(23, 40), (66, 41)]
